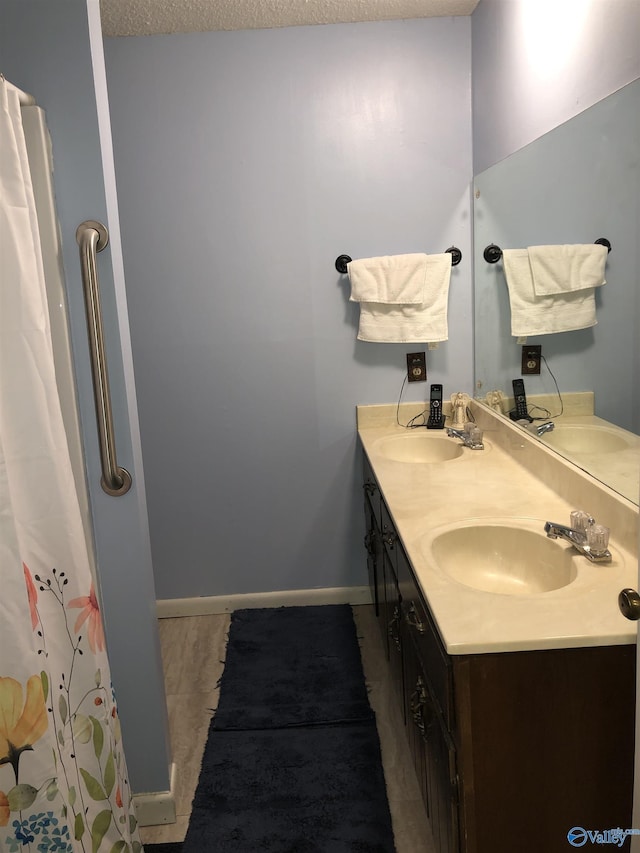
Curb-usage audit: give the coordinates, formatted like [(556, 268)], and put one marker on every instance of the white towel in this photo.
[(564, 269), (390, 279), (410, 323), (543, 315)]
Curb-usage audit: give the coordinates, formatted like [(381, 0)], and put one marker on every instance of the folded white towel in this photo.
[(543, 315), (410, 323), (391, 279), (564, 269)]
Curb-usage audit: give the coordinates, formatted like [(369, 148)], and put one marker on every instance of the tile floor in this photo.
[(193, 649)]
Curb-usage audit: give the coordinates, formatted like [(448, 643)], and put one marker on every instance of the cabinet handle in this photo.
[(418, 705), (394, 624), (629, 604), (413, 620), (368, 542)]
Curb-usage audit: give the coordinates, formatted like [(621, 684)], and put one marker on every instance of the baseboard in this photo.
[(209, 604), (157, 807)]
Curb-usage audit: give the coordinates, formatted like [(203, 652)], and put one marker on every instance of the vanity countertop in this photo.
[(511, 478)]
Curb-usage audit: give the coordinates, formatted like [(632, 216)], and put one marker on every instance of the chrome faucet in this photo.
[(580, 541), (546, 427), (468, 438)]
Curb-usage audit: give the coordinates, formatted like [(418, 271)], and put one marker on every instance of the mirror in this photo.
[(575, 184)]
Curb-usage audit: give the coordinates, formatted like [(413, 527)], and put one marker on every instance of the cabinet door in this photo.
[(414, 703), (418, 624), (443, 785), (433, 753)]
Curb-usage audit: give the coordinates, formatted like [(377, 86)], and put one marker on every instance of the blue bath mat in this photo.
[(292, 762), (292, 666)]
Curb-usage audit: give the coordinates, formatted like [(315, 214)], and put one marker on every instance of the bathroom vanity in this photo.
[(513, 666)]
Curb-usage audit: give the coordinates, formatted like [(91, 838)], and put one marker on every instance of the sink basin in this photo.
[(421, 447), (500, 556), (586, 438)]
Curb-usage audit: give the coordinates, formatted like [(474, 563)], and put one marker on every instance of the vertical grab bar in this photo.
[(92, 237)]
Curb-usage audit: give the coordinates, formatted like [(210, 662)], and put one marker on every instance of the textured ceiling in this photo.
[(148, 17)]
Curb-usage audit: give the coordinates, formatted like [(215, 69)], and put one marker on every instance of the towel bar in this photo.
[(493, 253), (343, 260)]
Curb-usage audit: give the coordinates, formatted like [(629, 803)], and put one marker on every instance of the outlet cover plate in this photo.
[(416, 367), (531, 359)]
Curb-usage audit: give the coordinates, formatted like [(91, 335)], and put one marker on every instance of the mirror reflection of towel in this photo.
[(564, 269), (543, 315)]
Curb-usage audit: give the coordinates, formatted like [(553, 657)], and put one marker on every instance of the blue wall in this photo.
[(246, 162)]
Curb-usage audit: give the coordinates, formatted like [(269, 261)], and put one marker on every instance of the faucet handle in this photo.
[(581, 520), (598, 538), (475, 434)]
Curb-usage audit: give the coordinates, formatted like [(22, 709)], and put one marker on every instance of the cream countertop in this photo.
[(499, 482)]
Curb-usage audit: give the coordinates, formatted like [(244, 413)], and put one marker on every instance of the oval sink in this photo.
[(500, 557), (586, 438), (420, 447)]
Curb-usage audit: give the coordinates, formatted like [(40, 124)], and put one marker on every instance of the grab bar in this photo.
[(93, 237)]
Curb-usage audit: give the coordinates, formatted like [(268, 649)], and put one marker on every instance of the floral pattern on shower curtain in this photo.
[(63, 776)]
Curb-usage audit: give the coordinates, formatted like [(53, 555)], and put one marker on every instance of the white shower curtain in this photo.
[(63, 777)]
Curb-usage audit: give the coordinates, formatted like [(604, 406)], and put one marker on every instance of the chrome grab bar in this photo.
[(93, 237)]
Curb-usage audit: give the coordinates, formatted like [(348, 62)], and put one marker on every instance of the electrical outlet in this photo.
[(531, 359), (416, 367)]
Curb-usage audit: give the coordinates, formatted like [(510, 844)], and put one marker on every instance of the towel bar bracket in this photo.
[(102, 240), (456, 255), (492, 253), (341, 263)]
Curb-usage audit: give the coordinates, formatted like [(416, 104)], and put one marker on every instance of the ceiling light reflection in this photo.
[(551, 32)]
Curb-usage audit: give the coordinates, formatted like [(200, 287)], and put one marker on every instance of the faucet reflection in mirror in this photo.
[(541, 429)]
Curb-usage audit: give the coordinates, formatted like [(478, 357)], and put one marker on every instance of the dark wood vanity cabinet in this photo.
[(412, 647), (512, 750)]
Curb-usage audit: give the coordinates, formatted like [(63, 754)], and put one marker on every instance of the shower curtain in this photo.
[(63, 777)]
